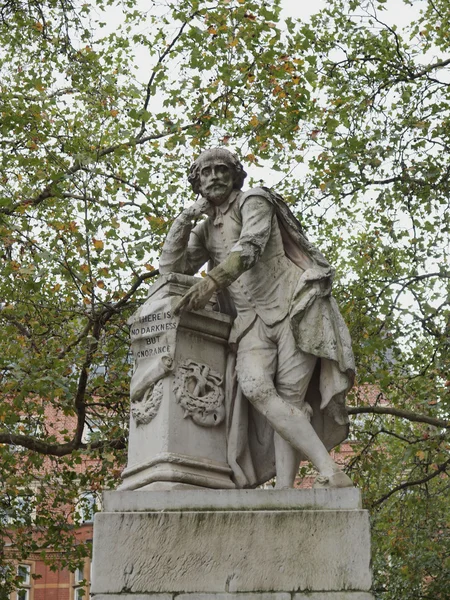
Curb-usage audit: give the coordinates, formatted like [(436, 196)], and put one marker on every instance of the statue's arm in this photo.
[(257, 214), (183, 250)]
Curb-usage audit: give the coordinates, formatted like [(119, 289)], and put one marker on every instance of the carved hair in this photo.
[(221, 154)]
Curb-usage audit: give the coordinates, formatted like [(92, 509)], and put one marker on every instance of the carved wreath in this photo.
[(198, 390), (145, 409)]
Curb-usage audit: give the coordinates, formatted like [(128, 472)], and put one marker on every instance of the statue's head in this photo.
[(215, 173)]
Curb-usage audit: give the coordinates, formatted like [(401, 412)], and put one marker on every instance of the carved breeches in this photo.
[(268, 361)]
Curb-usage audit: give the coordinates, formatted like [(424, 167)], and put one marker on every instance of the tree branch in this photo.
[(161, 58), (409, 279), (50, 190), (58, 449), (98, 321), (140, 279), (407, 484), (397, 412)]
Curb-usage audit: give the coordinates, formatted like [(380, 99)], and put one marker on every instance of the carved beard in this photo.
[(216, 193)]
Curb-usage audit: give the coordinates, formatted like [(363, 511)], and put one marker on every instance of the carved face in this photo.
[(216, 180)]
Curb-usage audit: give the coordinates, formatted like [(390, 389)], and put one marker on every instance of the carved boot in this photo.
[(337, 480)]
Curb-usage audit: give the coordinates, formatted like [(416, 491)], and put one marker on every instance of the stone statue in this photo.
[(293, 359)]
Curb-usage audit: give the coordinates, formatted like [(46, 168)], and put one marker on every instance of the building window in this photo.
[(87, 505), (91, 430), (18, 510), (24, 574), (79, 589)]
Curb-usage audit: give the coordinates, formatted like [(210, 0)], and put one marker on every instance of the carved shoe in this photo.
[(337, 480)]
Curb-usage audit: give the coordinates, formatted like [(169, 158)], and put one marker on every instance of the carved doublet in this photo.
[(265, 289)]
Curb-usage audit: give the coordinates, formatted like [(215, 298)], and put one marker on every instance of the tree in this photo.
[(352, 113), (94, 162), (381, 164)]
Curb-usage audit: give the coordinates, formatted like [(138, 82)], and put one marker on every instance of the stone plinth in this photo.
[(177, 424), (251, 596), (232, 545)]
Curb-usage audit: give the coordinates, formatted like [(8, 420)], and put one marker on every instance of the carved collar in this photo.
[(219, 211)]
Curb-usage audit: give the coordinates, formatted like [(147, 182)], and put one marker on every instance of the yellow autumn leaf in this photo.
[(254, 121), (98, 244), (114, 112)]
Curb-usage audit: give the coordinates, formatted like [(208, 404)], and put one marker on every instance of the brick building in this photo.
[(38, 580), (42, 583)]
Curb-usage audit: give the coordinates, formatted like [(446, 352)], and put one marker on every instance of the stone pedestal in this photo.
[(232, 545), (177, 424), (164, 535)]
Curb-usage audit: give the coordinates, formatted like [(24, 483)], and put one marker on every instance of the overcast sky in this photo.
[(396, 11)]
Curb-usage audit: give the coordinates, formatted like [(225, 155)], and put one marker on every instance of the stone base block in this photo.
[(168, 468), (232, 545), (249, 596)]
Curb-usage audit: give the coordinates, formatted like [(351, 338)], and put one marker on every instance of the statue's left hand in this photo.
[(198, 296), (321, 279)]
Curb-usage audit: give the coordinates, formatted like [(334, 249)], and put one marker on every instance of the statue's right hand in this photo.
[(200, 207), (197, 297)]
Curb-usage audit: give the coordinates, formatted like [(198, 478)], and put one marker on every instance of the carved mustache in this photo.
[(215, 185)]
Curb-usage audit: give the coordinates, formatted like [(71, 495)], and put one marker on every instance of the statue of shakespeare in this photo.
[(294, 363)]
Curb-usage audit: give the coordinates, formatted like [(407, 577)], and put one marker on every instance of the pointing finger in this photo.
[(181, 304)]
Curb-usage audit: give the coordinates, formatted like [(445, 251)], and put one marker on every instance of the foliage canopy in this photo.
[(351, 113)]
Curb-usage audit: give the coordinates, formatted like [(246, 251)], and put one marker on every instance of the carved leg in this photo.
[(287, 461), (258, 351), (287, 420)]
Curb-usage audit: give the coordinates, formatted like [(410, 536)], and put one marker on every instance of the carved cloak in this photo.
[(320, 330)]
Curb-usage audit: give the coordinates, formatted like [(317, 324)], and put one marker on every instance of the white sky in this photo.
[(397, 12)]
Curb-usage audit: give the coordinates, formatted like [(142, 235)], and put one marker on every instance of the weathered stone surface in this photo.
[(262, 499), (262, 596), (334, 596), (243, 596), (257, 596), (134, 596), (177, 424), (231, 551)]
